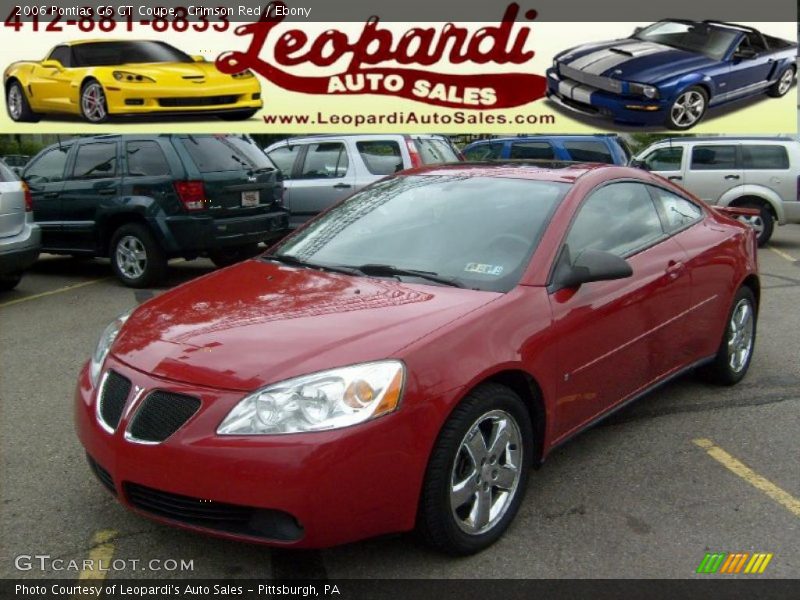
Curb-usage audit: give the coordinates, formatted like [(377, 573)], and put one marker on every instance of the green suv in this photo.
[(142, 199)]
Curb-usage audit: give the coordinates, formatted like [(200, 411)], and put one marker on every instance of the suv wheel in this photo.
[(17, 105), (763, 223), (137, 259), (477, 472), (688, 109)]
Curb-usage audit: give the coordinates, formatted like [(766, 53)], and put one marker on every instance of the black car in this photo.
[(142, 199)]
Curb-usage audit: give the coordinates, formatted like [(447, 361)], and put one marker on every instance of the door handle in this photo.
[(675, 178), (674, 269), (107, 191), (342, 186), (51, 194), (732, 177)]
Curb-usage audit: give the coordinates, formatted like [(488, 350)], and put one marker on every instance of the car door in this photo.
[(94, 181), (615, 338), (751, 65), (52, 85), (322, 177), (667, 161), (712, 170), (45, 178)]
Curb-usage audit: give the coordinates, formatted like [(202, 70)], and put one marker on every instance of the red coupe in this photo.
[(404, 359)]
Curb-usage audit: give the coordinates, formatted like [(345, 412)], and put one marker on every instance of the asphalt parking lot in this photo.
[(644, 495)]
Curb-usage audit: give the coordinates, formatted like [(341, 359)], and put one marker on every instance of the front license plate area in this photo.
[(251, 198)]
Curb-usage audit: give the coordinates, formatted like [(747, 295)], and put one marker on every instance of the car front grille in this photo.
[(113, 397), (598, 81), (160, 415), (199, 101), (219, 516), (103, 475)]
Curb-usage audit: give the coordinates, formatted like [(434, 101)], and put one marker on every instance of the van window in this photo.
[(146, 158), (95, 161), (764, 157), (382, 157), (589, 152), (325, 160), (491, 151), (713, 158), (664, 159), (48, 167), (532, 150)]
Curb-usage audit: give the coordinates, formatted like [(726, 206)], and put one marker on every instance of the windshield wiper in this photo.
[(294, 261), (379, 270)]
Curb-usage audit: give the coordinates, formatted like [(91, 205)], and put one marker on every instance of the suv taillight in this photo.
[(192, 194), (413, 153), (28, 197)]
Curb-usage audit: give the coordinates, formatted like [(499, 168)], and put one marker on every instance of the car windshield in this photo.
[(476, 232), (109, 54), (701, 38)]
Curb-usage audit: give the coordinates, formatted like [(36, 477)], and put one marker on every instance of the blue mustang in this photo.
[(671, 72)]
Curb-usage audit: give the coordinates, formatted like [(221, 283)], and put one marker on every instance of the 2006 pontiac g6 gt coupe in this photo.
[(404, 359), (101, 79)]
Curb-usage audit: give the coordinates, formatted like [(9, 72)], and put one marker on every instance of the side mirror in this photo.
[(591, 265), (52, 64), (745, 54), (637, 163), (198, 58)]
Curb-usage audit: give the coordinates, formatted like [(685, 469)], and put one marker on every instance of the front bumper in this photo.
[(203, 233), (336, 486), (21, 251), (144, 98), (594, 102)]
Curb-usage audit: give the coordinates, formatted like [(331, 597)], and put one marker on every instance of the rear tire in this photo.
[(9, 281), (473, 487), (735, 351), (238, 115), (784, 83), (17, 105), (764, 224), (136, 258), (226, 257)]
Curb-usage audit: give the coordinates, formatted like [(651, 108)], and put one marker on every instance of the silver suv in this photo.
[(20, 237), (319, 171), (761, 173)]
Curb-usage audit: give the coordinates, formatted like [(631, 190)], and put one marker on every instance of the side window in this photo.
[(95, 161), (765, 157), (382, 157), (325, 160), (63, 55), (679, 211), (713, 158), (589, 152), (146, 158), (489, 151), (665, 159), (49, 167), (619, 218), (532, 150), (284, 157)]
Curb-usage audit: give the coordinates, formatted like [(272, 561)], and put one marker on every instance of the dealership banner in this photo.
[(452, 67)]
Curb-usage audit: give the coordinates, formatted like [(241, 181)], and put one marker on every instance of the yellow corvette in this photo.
[(102, 79)]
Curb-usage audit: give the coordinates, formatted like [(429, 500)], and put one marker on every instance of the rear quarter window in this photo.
[(224, 153), (596, 152), (433, 151), (765, 157)]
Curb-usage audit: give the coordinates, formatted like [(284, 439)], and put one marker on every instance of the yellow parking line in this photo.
[(780, 496), (100, 555), (51, 292), (783, 254)]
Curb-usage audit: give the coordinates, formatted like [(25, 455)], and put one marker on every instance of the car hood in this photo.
[(189, 73), (259, 322), (634, 60)]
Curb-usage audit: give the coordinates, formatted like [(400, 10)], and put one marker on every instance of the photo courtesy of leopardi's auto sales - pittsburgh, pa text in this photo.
[(360, 300)]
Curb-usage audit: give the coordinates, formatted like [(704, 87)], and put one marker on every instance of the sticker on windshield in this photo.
[(484, 269)]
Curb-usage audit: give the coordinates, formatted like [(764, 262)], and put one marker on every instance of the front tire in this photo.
[(784, 83), (93, 104), (17, 105), (238, 115), (477, 472), (735, 351), (688, 109), (136, 258)]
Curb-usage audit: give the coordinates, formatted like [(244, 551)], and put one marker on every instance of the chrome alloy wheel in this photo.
[(688, 108), (740, 336), (486, 472), (786, 81), (131, 257), (14, 102), (93, 102)]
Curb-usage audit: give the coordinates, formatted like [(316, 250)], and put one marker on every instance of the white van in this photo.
[(752, 172)]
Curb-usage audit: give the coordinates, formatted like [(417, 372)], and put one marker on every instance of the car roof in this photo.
[(97, 41), (726, 139), (525, 138), (551, 170)]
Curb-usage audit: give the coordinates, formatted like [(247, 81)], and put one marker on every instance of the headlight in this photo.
[(243, 75), (132, 77), (640, 89), (325, 400), (104, 344)]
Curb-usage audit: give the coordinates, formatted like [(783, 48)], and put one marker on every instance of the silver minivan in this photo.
[(20, 237), (751, 172), (318, 171)]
